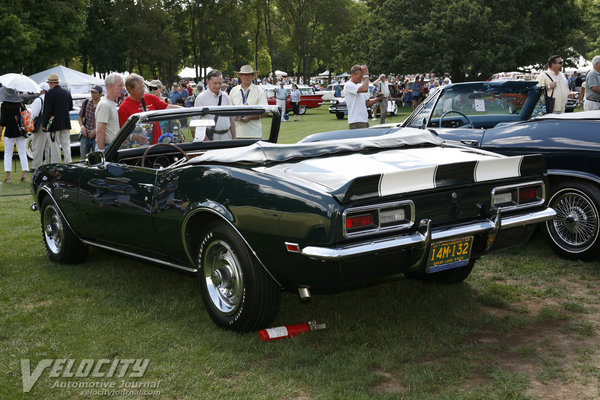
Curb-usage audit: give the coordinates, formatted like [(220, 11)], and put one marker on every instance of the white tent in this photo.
[(74, 81), (190, 73), (324, 74), (280, 73)]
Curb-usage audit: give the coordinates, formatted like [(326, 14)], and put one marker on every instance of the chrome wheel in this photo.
[(576, 221), (223, 275), (54, 233)]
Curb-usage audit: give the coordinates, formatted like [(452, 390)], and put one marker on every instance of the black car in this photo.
[(507, 117)]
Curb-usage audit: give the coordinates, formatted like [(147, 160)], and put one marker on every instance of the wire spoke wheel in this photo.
[(574, 231), (575, 221)]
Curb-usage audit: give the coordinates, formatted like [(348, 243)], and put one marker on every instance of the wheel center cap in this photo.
[(216, 277), (572, 220)]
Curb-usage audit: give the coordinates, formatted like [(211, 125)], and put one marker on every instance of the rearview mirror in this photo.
[(95, 159)]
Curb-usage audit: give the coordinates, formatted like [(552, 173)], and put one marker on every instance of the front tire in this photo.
[(302, 110), (62, 245), (574, 232), (238, 293), (339, 115)]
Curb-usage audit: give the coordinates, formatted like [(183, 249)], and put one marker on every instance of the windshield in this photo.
[(483, 103)]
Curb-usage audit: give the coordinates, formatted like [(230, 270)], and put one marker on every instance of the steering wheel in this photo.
[(163, 144), (469, 125)]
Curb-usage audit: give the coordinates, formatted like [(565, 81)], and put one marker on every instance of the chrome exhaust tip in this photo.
[(304, 294)]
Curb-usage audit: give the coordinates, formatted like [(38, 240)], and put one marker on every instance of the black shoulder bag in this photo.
[(549, 99), (37, 121)]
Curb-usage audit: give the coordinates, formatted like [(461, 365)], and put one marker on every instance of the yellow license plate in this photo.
[(450, 254)]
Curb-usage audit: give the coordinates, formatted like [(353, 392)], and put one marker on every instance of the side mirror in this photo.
[(95, 159), (424, 124)]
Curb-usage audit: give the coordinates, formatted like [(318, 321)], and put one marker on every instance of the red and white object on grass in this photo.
[(281, 332)]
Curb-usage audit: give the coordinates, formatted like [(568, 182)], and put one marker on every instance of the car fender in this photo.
[(563, 173), (212, 210)]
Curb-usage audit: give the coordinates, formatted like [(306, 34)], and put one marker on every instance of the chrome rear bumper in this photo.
[(422, 241)]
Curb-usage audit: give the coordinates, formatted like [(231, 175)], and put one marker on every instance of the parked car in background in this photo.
[(308, 99), (338, 106), (496, 117), (250, 218)]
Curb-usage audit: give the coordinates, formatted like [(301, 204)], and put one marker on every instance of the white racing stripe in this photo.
[(487, 170), (407, 181)]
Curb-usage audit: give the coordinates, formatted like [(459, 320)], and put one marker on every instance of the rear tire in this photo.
[(574, 232), (302, 110), (238, 293), (62, 245)]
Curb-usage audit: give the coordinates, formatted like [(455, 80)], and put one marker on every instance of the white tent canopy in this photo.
[(324, 74), (74, 81), (190, 73), (280, 73)]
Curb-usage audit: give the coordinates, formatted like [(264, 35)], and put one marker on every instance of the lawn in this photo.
[(524, 325)]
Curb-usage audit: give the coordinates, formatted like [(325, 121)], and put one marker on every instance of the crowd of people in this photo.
[(101, 116)]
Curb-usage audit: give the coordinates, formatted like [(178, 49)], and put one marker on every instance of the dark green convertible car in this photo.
[(251, 217)]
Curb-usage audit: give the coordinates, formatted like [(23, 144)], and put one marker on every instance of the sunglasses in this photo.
[(558, 62)]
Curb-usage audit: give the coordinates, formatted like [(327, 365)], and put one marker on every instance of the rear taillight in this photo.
[(359, 221), (518, 196), (381, 217)]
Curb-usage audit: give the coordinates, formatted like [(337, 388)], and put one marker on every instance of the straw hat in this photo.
[(52, 78), (246, 69)]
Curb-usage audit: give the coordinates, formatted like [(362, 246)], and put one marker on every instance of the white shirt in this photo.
[(356, 103), (209, 98), (253, 96), (106, 111), (560, 92), (36, 106)]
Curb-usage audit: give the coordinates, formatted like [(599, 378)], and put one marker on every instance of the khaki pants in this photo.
[(62, 140), (40, 141), (358, 125)]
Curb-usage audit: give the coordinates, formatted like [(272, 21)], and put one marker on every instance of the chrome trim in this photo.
[(421, 240), (146, 258), (212, 211), (517, 187), (377, 208)]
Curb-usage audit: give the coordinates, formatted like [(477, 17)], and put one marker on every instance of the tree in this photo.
[(472, 39), (311, 24)]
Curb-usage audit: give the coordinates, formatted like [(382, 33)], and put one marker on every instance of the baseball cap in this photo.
[(97, 89)]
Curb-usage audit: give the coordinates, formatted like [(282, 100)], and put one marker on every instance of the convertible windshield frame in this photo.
[(149, 117)]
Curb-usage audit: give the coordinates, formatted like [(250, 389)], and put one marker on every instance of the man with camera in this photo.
[(356, 92), (382, 89)]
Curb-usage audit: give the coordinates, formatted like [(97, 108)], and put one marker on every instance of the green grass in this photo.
[(510, 326)]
